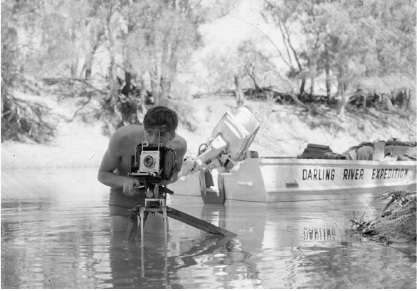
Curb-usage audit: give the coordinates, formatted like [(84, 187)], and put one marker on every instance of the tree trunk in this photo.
[(155, 80), (113, 84), (403, 99), (156, 91), (303, 85), (74, 63), (127, 88), (164, 87), (73, 68), (342, 104), (88, 70), (129, 72), (4, 96), (312, 86), (172, 66), (89, 61), (387, 102), (297, 101), (238, 92), (143, 95), (163, 81), (408, 100), (364, 101), (327, 71), (169, 64)]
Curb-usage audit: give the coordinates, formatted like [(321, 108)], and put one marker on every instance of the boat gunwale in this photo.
[(296, 161)]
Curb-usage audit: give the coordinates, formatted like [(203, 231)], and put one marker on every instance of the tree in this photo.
[(13, 16), (21, 120), (9, 52), (95, 31), (166, 43), (286, 14), (345, 40)]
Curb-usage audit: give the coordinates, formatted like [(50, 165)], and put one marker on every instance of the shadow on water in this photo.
[(56, 233)]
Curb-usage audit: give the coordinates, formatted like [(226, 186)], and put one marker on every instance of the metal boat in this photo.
[(231, 172)]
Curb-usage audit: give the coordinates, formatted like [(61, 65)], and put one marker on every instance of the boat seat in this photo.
[(364, 153), (316, 151)]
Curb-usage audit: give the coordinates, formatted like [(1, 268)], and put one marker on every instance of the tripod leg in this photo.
[(142, 220), (197, 223), (165, 217), (131, 229), (142, 262)]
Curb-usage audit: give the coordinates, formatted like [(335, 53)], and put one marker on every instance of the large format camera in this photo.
[(153, 163)]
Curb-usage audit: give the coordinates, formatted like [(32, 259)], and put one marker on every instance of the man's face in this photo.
[(153, 136)]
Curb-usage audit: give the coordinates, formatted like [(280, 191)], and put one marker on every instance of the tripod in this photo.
[(155, 202)]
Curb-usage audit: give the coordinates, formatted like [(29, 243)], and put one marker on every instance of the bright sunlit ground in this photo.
[(285, 131)]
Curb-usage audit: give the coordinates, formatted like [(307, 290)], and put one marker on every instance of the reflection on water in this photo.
[(321, 234), (56, 234)]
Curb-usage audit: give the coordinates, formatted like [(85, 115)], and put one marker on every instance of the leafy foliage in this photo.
[(143, 45), (354, 41), (26, 121)]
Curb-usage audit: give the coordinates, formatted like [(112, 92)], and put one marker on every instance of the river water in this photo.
[(56, 233)]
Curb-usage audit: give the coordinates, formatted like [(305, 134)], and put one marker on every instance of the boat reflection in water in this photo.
[(319, 234)]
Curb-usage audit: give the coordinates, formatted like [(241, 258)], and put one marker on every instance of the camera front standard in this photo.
[(149, 162), (153, 163)]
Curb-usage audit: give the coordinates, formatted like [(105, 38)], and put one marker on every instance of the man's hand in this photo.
[(188, 167), (191, 166), (129, 186)]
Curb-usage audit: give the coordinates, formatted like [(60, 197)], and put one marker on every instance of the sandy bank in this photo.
[(285, 131)]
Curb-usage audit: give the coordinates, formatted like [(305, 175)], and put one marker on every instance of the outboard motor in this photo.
[(227, 145)]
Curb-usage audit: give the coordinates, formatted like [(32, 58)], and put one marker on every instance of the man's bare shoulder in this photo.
[(179, 144), (129, 130), (178, 138), (125, 137)]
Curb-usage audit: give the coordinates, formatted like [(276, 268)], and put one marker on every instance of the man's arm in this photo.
[(107, 176)]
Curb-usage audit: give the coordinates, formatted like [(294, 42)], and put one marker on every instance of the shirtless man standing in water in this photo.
[(159, 123)]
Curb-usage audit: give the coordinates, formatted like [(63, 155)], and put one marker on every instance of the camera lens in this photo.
[(148, 161)]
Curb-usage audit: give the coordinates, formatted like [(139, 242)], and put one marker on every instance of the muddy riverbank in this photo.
[(396, 223)]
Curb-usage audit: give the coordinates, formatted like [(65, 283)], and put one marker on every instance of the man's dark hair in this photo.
[(161, 116)]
